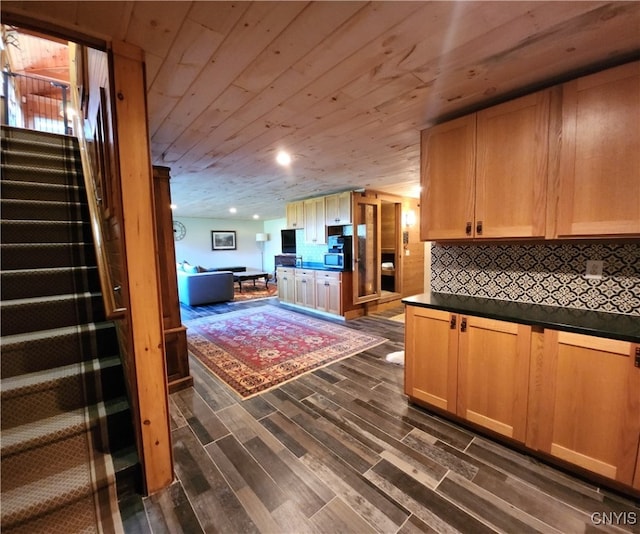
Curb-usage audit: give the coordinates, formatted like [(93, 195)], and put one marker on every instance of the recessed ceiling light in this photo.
[(173, 206), (256, 216), (283, 158), (232, 210)]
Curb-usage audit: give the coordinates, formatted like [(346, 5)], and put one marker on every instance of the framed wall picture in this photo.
[(223, 240)]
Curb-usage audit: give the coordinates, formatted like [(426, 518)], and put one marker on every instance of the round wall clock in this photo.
[(179, 230)]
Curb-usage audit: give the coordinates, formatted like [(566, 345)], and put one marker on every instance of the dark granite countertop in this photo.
[(318, 266), (601, 324)]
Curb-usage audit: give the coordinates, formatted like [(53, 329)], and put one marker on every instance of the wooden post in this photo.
[(141, 261)]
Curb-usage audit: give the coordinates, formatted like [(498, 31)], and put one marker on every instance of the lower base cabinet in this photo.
[(586, 403), (572, 396), (286, 284), (474, 367), (315, 289)]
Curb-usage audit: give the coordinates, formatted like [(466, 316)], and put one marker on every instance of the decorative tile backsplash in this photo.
[(549, 274)]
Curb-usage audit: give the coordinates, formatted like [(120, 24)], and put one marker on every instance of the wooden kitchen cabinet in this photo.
[(295, 214), (447, 175), (485, 175), (493, 374), (587, 403), (338, 209), (473, 367), (600, 155), (305, 291), (431, 357), (314, 215), (286, 284), (328, 289)]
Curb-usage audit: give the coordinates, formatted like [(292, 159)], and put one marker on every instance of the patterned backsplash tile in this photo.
[(549, 274)]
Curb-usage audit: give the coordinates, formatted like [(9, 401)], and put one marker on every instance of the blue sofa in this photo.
[(195, 288)]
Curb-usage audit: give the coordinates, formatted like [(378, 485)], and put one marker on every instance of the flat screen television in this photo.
[(288, 241)]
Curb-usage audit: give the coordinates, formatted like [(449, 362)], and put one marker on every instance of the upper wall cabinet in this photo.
[(338, 209), (485, 175), (314, 228), (599, 186), (295, 214)]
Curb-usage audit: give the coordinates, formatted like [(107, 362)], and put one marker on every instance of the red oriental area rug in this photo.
[(257, 349)]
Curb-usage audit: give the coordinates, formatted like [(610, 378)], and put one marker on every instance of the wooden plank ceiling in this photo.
[(345, 87)]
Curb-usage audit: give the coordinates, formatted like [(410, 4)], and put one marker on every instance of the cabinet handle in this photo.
[(637, 362), (452, 323), (463, 325), (479, 228), (467, 230)]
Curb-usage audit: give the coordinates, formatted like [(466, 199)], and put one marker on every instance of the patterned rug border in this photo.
[(367, 341)]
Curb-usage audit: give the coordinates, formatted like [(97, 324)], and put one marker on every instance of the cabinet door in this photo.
[(305, 288), (295, 215), (493, 374), (328, 292), (338, 209), (511, 168), (600, 154), (431, 356), (314, 228), (589, 398), (286, 284), (447, 174)]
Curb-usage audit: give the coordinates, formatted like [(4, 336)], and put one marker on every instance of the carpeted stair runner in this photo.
[(66, 425)]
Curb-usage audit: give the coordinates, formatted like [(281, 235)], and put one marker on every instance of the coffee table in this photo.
[(250, 275)]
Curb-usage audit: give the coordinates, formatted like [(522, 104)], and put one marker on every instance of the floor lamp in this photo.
[(260, 240)]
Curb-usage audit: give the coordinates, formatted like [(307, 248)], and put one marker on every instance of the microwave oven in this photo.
[(334, 260)]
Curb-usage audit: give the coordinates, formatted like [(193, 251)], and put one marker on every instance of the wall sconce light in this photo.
[(409, 218)]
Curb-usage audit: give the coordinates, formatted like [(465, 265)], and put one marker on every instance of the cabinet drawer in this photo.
[(328, 275)]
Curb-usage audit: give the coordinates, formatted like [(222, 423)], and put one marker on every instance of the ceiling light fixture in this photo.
[(173, 206), (232, 210), (283, 158), (256, 216)]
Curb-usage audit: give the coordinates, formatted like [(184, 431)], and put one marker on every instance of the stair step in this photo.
[(28, 155), (43, 431), (40, 141), (46, 495), (45, 231), (25, 283), (41, 255), (44, 313), (43, 210), (51, 392), (40, 174), (34, 351), (41, 191)]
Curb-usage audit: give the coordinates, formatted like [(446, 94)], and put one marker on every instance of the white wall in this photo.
[(196, 245)]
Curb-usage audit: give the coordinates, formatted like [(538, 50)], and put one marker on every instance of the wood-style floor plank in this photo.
[(341, 450)]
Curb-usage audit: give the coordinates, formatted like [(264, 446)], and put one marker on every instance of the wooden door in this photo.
[(511, 168), (600, 154), (366, 249), (431, 356), (493, 374), (589, 398), (447, 175)]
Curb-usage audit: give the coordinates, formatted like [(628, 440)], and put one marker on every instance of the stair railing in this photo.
[(109, 289)]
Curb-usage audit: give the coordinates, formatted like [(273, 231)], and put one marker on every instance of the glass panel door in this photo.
[(366, 226)]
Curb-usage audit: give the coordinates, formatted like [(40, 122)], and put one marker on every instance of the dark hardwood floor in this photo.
[(341, 450)]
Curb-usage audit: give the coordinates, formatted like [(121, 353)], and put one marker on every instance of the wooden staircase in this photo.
[(67, 436)]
